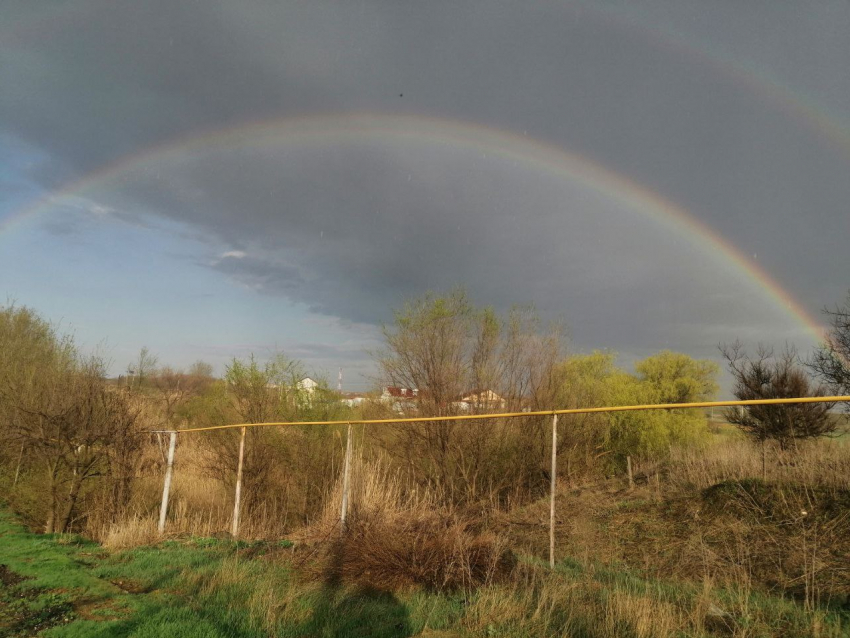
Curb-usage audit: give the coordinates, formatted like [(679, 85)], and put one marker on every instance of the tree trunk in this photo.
[(50, 523), (76, 484), (18, 468), (51, 514)]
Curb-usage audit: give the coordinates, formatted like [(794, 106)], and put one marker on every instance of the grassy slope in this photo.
[(202, 588), (199, 589)]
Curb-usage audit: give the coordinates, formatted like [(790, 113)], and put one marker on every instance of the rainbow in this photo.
[(828, 125), (312, 130)]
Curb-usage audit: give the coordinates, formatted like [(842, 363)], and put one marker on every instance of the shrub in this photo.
[(435, 551), (394, 539)]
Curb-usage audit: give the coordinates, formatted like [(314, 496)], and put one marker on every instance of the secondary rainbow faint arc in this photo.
[(830, 127), (339, 128)]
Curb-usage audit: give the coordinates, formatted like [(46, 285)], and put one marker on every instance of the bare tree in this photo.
[(831, 361), (175, 388), (97, 438), (143, 367), (201, 370), (73, 426), (459, 358)]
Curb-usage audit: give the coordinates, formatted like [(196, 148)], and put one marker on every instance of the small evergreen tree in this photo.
[(831, 361), (767, 376)]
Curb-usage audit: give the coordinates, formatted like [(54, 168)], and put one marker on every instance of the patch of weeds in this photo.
[(131, 586), (635, 504), (8, 578), (206, 541), (33, 614), (99, 610), (75, 540)]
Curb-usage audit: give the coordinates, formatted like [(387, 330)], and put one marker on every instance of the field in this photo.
[(667, 523), (631, 566)]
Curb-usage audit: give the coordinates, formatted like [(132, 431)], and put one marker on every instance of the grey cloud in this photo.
[(352, 230), (262, 276), (326, 352), (353, 233)]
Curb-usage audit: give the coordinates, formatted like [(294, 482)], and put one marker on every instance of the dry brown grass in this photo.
[(397, 537), (198, 506), (541, 604), (824, 462), (401, 535), (705, 525), (782, 537), (132, 532)]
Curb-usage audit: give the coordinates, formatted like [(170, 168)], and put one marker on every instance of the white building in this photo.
[(486, 400), (400, 399), (307, 385), (353, 399)]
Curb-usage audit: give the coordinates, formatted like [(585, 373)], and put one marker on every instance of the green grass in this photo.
[(61, 586), (73, 588), (200, 588)]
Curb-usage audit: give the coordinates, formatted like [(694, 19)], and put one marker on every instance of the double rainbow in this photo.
[(333, 129)]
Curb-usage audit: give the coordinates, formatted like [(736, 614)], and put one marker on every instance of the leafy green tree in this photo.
[(678, 378), (594, 380), (675, 377), (584, 381), (639, 434)]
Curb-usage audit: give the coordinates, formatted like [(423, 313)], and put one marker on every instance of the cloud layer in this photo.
[(709, 106)]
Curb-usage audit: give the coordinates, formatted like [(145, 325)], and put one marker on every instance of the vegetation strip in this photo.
[(67, 587), (510, 415), (661, 525)]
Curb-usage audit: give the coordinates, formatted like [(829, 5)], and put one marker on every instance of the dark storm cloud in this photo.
[(354, 231), (260, 275)]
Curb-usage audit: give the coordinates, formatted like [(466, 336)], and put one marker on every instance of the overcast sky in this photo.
[(519, 149)]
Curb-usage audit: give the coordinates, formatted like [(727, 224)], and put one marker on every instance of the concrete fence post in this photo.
[(552, 487), (629, 470), (237, 501), (346, 478), (166, 488)]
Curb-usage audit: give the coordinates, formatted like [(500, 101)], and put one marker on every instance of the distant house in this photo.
[(352, 399), (485, 400), (392, 392), (399, 399), (307, 385)]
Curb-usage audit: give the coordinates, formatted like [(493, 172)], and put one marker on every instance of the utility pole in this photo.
[(552, 487), (346, 478), (169, 468), (237, 501), (346, 472)]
